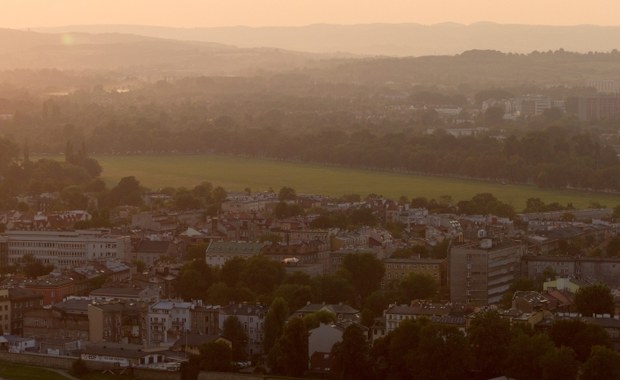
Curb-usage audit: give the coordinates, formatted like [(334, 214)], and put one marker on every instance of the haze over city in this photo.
[(347, 190)]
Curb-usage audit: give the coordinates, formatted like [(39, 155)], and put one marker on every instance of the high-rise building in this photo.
[(480, 273)]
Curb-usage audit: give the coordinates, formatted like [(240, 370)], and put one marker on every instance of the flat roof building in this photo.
[(480, 273), (65, 249)]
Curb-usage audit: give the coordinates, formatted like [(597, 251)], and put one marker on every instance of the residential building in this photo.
[(205, 319), (444, 314), (67, 321), (65, 249), (251, 317), (480, 273), (600, 107), (219, 253), (5, 311), (122, 355), (398, 269), (22, 300), (53, 289), (191, 343), (167, 320), (150, 251), (339, 311), (126, 292), (120, 322)]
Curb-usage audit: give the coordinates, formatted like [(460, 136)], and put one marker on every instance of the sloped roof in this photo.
[(234, 248)]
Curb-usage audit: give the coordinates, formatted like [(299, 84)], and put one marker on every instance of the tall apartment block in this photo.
[(480, 273)]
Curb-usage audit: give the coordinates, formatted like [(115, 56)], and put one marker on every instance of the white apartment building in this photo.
[(167, 320), (65, 249)]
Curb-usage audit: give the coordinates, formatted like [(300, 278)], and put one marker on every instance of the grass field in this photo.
[(13, 371), (235, 174)]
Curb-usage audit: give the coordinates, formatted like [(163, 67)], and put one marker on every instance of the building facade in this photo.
[(65, 249), (480, 273)]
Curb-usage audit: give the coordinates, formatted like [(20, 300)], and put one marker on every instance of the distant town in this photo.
[(160, 283)]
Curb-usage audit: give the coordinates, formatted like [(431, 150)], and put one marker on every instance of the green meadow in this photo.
[(236, 174)]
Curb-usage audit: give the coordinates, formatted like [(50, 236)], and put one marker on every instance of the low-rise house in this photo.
[(321, 340), (126, 292), (122, 355), (444, 314), (340, 311), (17, 344), (150, 251), (191, 343)]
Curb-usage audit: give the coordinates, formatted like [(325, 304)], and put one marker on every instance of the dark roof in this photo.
[(244, 309), (117, 292), (237, 248), (117, 350), (22, 293), (332, 308), (148, 246)]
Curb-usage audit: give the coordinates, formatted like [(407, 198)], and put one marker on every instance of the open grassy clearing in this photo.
[(14, 371), (236, 173)]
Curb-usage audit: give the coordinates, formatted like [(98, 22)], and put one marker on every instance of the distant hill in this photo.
[(140, 54), (386, 39)]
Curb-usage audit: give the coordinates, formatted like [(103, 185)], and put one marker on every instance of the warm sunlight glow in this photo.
[(68, 39)]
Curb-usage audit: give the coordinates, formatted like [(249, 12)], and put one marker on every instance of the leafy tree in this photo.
[(524, 355), (140, 265), (594, 299), (274, 322), (489, 338), (191, 368), (194, 280), (442, 353), (33, 268), (604, 363), (235, 333), (232, 271), (559, 364), (289, 356), (613, 247), (314, 320), (127, 192), (287, 194), (295, 295), (402, 345), (284, 210), (332, 289), (365, 271), (579, 336), (262, 275), (216, 356), (351, 356), (187, 201), (417, 286), (196, 251)]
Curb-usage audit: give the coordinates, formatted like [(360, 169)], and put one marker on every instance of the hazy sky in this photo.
[(192, 13)]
